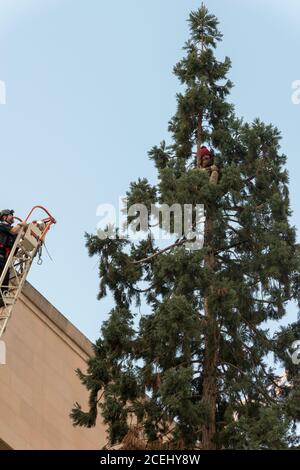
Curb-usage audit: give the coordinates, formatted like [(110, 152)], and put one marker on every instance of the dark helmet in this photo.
[(6, 212)]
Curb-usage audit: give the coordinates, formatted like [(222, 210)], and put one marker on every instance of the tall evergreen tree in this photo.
[(195, 372)]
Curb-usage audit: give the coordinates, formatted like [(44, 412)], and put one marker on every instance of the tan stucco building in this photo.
[(38, 384)]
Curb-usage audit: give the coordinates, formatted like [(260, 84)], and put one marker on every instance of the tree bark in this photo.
[(199, 139), (209, 395)]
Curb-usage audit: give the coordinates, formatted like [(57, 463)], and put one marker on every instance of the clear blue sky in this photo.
[(90, 89)]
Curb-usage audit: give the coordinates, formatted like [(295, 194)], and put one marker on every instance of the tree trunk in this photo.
[(210, 355), (211, 337)]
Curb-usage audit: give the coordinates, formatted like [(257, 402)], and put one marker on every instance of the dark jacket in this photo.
[(6, 238)]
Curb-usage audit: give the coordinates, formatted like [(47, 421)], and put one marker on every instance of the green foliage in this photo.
[(269, 428), (151, 365)]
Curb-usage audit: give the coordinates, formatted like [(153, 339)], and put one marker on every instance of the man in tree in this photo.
[(205, 160), (194, 372)]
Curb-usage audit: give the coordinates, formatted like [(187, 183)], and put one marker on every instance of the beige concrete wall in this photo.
[(38, 385)]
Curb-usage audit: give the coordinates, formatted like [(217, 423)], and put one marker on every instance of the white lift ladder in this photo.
[(27, 244)]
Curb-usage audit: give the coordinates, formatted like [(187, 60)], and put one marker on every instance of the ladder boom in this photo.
[(27, 244)]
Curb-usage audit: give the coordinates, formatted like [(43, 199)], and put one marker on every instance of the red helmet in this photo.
[(201, 153), (204, 151)]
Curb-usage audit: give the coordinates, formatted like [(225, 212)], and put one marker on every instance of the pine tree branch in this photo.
[(267, 397), (236, 208), (248, 180), (235, 221), (233, 229), (225, 248), (269, 377), (239, 400), (249, 358), (100, 398), (141, 291), (274, 302), (149, 258), (280, 387), (258, 333)]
